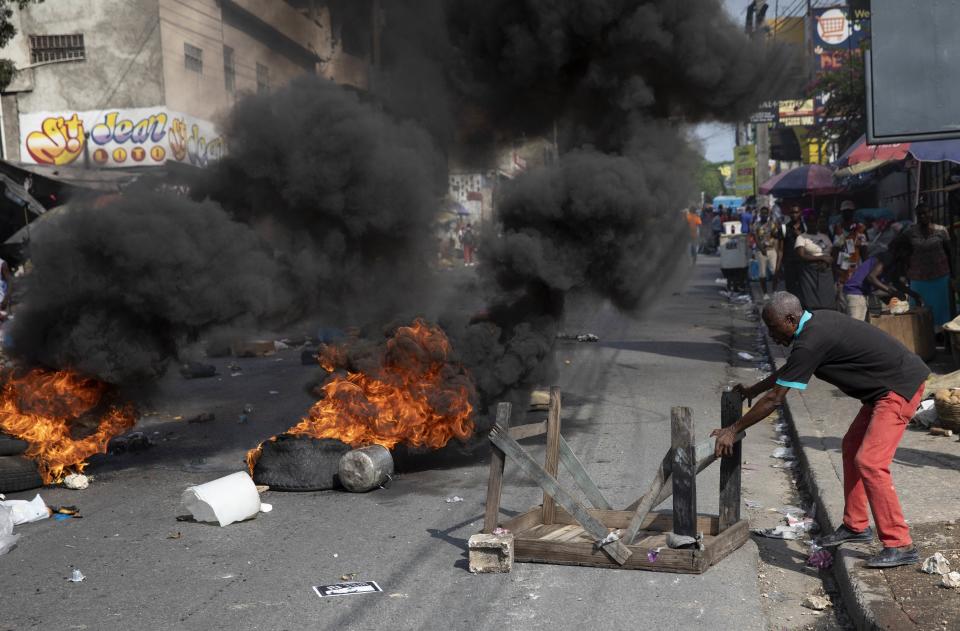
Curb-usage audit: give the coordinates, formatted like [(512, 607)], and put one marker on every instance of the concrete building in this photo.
[(126, 83)]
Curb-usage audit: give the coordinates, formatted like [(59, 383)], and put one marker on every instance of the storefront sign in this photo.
[(118, 138)]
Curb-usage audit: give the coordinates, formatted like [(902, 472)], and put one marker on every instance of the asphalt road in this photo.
[(145, 570)]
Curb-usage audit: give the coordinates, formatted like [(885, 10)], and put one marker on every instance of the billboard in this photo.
[(745, 169), (913, 80), (147, 136)]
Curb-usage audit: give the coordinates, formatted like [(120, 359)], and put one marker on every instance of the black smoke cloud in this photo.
[(322, 212), (345, 193), (116, 288)]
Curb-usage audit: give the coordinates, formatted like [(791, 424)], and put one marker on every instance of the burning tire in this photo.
[(299, 463), (18, 474), (10, 446)]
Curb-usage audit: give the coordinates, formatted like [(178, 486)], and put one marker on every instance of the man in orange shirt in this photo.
[(693, 220)]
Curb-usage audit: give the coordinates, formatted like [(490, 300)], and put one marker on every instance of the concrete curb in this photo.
[(866, 594)]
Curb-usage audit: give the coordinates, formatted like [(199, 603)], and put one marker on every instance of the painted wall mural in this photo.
[(146, 136)]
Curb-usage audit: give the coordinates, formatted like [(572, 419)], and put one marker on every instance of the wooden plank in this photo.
[(526, 431), (727, 541), (495, 480), (646, 502), (705, 458), (731, 408), (549, 484), (559, 532), (523, 521), (573, 465), (585, 553), (553, 447), (663, 522), (684, 472)]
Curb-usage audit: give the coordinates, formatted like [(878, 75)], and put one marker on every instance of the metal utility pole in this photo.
[(762, 135)]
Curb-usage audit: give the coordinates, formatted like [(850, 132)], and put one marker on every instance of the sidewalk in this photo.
[(926, 470)]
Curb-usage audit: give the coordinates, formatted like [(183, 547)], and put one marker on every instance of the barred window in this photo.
[(263, 79), (192, 58), (56, 48), (229, 70)]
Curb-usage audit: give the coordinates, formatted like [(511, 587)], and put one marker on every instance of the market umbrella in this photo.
[(809, 179)]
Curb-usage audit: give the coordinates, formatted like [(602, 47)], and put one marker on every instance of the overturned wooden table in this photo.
[(564, 530)]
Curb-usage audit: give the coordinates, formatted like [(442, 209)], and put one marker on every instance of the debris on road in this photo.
[(579, 337), (936, 564), (453, 500), (745, 356), (784, 453), (265, 508), (941, 431), (245, 414), (235, 370), (819, 558), (174, 535), (753, 504), (8, 540), (76, 481), (262, 488), (203, 417), (366, 468), (490, 553), (25, 512), (777, 532), (348, 577), (76, 577), (252, 348), (225, 500), (817, 603), (197, 370), (926, 414), (347, 588), (501, 531), (951, 580), (132, 442)]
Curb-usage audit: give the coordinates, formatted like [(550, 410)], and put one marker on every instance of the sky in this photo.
[(718, 140)]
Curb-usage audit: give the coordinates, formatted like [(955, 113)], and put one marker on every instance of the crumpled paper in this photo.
[(936, 564)]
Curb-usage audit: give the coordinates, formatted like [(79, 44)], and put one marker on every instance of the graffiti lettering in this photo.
[(120, 137), (152, 128), (60, 141)]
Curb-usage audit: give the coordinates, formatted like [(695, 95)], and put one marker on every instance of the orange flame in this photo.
[(418, 396), (42, 406)]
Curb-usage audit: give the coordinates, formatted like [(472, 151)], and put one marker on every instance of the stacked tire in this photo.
[(17, 473)]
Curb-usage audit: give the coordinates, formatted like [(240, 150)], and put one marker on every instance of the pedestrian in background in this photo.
[(930, 268), (694, 222), (791, 261), (768, 236), (884, 276), (818, 289), (746, 218), (468, 241)]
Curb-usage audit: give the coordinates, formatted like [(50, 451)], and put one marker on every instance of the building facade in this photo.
[(132, 83)]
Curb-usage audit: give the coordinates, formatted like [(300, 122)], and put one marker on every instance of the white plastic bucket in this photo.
[(224, 500)]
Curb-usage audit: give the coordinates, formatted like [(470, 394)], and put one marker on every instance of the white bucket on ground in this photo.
[(224, 500)]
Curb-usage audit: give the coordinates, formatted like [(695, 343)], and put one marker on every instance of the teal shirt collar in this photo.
[(803, 320)]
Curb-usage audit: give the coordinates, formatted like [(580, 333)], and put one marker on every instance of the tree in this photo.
[(8, 69), (710, 180), (842, 119)]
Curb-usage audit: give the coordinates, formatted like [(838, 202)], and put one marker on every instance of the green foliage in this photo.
[(7, 31), (710, 181), (844, 115)]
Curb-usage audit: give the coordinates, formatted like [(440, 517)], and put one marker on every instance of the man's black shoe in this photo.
[(892, 557), (845, 535)]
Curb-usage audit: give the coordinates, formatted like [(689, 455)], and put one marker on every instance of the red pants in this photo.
[(468, 254), (868, 449)]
